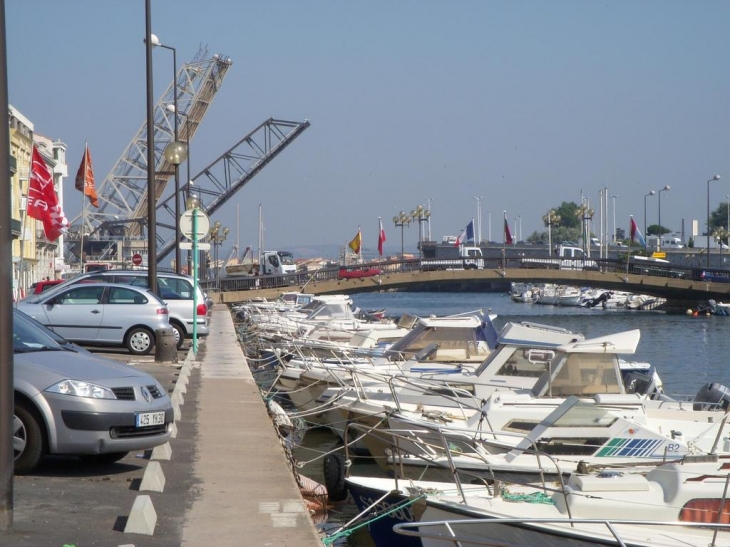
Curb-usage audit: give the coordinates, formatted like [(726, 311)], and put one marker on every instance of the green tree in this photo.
[(655, 229), (719, 217), (568, 216)]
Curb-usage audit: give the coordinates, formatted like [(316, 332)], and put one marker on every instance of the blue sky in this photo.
[(526, 103)]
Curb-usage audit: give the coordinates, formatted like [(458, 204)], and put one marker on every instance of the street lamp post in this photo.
[(172, 158), (585, 213), (551, 219), (402, 220), (155, 41), (479, 218), (217, 237), (716, 177), (151, 210), (613, 198), (721, 233), (646, 235), (428, 208), (659, 238), (421, 215), (192, 203)]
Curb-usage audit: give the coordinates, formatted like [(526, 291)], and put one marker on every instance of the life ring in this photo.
[(334, 477)]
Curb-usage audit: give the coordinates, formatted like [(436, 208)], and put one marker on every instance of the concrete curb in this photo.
[(177, 397), (162, 452), (143, 517), (153, 478)]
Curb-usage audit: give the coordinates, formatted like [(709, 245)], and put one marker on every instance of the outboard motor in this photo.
[(712, 396)]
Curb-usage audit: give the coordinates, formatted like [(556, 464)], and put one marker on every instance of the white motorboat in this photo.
[(581, 409), (676, 504)]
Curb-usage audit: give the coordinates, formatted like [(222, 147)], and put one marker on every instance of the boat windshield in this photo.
[(580, 374)]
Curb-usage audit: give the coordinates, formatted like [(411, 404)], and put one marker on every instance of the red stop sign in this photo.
[(136, 259)]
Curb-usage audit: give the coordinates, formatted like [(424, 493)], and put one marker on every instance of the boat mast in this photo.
[(261, 233)]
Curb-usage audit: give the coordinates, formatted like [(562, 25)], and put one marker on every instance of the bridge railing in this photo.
[(333, 273)]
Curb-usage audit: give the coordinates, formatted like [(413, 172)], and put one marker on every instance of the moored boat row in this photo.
[(526, 402)]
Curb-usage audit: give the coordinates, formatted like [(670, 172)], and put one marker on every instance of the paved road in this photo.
[(227, 482)]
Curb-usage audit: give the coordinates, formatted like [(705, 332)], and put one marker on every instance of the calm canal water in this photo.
[(687, 351)]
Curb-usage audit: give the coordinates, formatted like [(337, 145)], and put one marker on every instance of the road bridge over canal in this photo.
[(684, 288)]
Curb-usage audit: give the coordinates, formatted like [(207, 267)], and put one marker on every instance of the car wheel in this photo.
[(140, 341), (179, 334), (101, 459), (28, 439)]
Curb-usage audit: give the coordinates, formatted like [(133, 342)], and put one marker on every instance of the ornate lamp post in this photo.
[(421, 215), (584, 213), (659, 238), (217, 237), (402, 220), (716, 177), (551, 219), (720, 234), (645, 234)]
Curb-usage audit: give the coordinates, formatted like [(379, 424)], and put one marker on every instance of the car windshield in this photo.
[(29, 335)]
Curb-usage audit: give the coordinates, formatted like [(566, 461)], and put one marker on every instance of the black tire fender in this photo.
[(334, 476)]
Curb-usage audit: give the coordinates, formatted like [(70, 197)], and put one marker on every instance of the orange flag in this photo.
[(85, 178)]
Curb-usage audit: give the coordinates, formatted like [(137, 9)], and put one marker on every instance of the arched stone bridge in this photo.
[(682, 288)]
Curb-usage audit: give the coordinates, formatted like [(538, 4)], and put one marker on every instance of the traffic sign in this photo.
[(137, 259), (202, 224)]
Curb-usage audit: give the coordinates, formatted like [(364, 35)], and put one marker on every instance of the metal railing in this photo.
[(334, 273)]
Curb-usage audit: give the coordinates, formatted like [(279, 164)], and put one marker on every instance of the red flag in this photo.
[(381, 238), (507, 234), (42, 199), (85, 178)]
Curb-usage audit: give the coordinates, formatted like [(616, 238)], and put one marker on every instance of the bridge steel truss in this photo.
[(220, 180), (123, 194)]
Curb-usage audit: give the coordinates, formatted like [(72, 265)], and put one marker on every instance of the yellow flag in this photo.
[(355, 243)]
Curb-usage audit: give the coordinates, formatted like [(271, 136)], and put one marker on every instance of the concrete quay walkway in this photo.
[(247, 493)]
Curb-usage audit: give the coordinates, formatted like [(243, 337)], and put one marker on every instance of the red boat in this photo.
[(357, 273)]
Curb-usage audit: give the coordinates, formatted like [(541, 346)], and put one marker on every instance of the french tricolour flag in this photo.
[(466, 235)]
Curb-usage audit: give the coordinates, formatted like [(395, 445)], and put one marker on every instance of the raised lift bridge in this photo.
[(122, 211)]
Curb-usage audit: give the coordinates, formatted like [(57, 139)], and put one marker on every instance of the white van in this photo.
[(667, 242)]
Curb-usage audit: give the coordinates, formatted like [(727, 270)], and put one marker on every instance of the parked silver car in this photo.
[(175, 289), (101, 314), (69, 401)]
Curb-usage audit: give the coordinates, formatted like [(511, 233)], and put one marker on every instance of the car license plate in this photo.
[(147, 419)]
